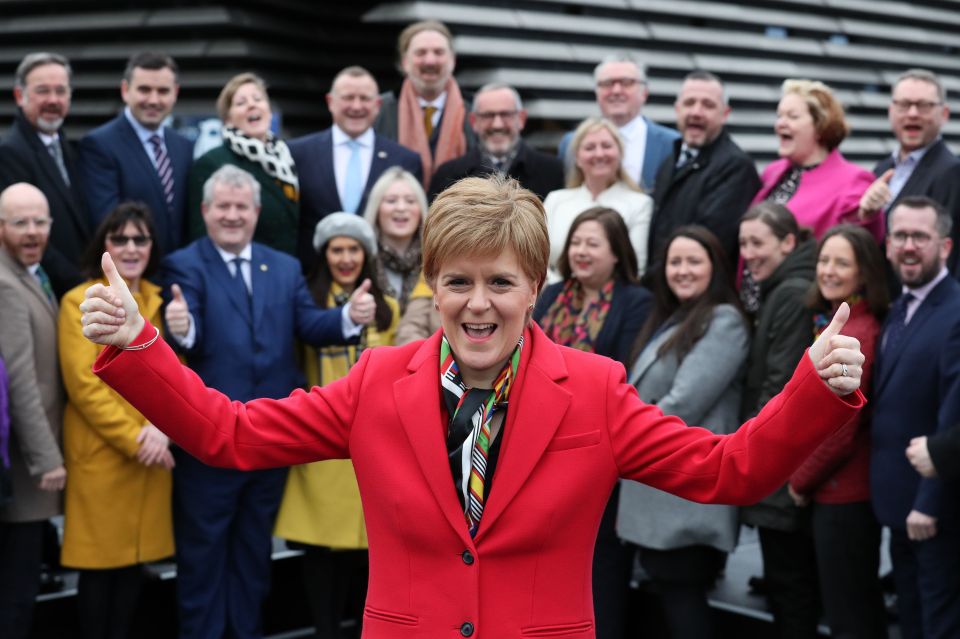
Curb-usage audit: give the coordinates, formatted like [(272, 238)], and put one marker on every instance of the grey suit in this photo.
[(702, 389)]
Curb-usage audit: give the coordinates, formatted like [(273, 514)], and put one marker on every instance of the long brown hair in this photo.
[(870, 264), (617, 235)]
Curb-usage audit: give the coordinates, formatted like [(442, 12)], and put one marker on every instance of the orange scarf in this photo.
[(451, 142)]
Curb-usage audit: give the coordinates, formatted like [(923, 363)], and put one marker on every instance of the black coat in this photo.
[(24, 158), (714, 190), (945, 452), (539, 172)]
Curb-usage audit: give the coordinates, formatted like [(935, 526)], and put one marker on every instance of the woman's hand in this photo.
[(837, 357), (154, 446), (110, 314)]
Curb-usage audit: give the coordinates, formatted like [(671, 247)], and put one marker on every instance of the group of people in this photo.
[(270, 266)]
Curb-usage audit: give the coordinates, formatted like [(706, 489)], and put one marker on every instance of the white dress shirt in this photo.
[(634, 134), (341, 157), (438, 104), (144, 134)]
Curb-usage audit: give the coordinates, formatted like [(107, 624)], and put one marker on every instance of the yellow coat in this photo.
[(117, 511), (321, 502)]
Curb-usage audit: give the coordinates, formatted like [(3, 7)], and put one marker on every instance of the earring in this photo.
[(436, 305), (530, 308)]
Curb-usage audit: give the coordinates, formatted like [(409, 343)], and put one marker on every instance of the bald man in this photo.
[(28, 341)]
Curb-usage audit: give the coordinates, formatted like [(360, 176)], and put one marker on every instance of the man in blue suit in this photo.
[(621, 93), (235, 308), (135, 156), (916, 392), (338, 166)]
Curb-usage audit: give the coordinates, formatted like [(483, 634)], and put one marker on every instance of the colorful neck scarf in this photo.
[(471, 413), (569, 322), (822, 320)]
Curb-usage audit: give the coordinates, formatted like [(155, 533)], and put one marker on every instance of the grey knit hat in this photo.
[(345, 225)]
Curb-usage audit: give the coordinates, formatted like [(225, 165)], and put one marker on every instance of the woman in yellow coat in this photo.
[(118, 512), (321, 511)]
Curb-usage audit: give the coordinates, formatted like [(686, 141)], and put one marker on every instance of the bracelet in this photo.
[(140, 347)]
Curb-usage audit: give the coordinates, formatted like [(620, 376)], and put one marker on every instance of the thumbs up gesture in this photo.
[(362, 305), (109, 313), (177, 315), (877, 195), (837, 357)]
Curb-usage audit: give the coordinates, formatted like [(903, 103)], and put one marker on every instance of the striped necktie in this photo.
[(164, 168)]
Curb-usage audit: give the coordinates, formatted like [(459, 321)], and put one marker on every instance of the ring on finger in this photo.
[(843, 370)]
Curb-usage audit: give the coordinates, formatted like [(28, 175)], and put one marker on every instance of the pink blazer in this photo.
[(574, 426), (827, 195)]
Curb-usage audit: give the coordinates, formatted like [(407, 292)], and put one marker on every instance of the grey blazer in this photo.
[(703, 389), (28, 343)]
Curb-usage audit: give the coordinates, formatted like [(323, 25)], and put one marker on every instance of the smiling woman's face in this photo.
[(250, 111), (484, 304)]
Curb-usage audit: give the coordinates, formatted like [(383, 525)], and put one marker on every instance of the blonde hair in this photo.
[(394, 174), (575, 176), (483, 217), (827, 112), (232, 86)]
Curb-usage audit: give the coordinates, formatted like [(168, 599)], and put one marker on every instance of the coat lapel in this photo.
[(259, 283), (136, 150), (221, 274), (648, 356), (325, 173), (889, 360)]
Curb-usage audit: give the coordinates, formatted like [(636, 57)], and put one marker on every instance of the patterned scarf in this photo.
[(569, 323), (471, 413), (822, 320), (273, 156), (406, 264)]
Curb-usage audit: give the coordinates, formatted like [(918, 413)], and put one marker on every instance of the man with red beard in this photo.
[(36, 151), (707, 179), (28, 341)]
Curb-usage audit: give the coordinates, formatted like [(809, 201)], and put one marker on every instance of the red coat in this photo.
[(574, 426)]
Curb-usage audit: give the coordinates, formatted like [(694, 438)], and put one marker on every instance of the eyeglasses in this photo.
[(920, 240), (44, 91), (924, 107), (489, 116), (122, 240), (21, 223), (626, 83)]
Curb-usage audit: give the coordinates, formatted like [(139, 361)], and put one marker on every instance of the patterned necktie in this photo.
[(897, 324), (686, 155), (44, 281), (428, 112), (164, 168), (353, 180), (56, 152), (470, 421)]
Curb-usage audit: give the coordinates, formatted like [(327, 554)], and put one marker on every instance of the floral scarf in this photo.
[(569, 322)]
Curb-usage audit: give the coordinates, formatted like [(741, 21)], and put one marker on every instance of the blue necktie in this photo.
[(352, 181), (897, 323)]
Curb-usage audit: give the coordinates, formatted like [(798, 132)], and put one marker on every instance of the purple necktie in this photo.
[(164, 169)]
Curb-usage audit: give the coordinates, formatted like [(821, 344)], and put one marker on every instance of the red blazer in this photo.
[(574, 426)]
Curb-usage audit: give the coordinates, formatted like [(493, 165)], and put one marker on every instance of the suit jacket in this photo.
[(539, 172), (24, 158), (704, 388), (937, 175), (245, 346), (319, 197), (916, 391), (116, 168), (628, 311), (572, 428), (945, 452), (659, 146), (28, 344), (714, 191)]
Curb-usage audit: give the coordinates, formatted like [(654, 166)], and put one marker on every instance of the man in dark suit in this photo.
[(135, 156), (916, 392), (707, 179), (235, 309), (498, 118), (621, 93), (36, 151), (922, 163), (339, 165)]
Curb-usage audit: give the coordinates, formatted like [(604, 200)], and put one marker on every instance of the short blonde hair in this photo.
[(483, 217), (232, 86), (575, 176), (827, 112), (394, 174)]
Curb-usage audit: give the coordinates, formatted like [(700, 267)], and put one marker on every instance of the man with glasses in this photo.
[(37, 152), (621, 89), (916, 392), (498, 118), (28, 341), (922, 164)]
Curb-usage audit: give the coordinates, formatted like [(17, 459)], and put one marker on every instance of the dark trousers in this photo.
[(223, 525), (21, 553), (336, 585), (790, 572), (847, 539), (927, 577), (612, 568), (682, 577), (107, 601)]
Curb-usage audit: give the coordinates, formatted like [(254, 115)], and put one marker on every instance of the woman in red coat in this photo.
[(485, 454)]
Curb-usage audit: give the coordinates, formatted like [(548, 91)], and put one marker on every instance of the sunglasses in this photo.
[(121, 240)]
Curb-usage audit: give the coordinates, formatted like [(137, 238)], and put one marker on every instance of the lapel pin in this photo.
[(263, 267), (382, 155)]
